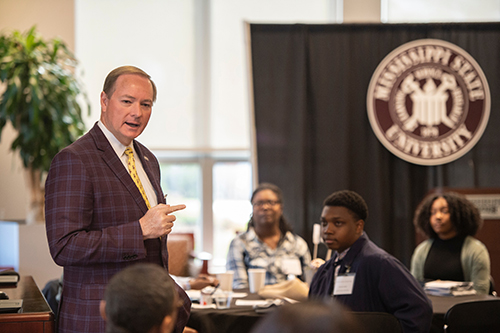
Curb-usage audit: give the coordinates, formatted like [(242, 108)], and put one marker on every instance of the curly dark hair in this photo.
[(464, 215), (283, 224), (350, 200)]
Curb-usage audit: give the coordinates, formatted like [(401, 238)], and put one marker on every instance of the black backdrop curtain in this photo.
[(313, 134)]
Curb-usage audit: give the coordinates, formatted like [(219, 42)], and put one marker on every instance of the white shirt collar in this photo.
[(118, 147), (342, 254)]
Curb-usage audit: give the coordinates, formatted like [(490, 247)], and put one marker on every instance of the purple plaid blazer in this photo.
[(92, 212)]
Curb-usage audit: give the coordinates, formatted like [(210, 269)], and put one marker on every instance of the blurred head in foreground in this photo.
[(140, 299), (310, 316)]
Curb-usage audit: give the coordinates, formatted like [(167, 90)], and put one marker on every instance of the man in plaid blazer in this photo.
[(97, 220)]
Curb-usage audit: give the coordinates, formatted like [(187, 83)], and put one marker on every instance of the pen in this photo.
[(164, 197)]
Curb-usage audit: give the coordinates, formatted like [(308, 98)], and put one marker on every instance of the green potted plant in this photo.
[(39, 96)]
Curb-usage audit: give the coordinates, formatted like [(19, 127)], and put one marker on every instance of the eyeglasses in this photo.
[(271, 203)]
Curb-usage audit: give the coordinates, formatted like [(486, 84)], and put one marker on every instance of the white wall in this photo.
[(53, 18), (34, 256), (361, 11), (25, 248), (13, 193)]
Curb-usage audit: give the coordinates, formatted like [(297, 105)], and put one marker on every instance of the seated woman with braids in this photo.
[(451, 252)]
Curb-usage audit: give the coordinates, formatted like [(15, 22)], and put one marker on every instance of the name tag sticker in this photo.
[(344, 284), (292, 266)]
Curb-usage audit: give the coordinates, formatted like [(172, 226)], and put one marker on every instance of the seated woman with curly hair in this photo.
[(451, 252)]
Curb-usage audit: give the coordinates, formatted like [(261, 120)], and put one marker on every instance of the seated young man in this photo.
[(140, 298), (360, 274)]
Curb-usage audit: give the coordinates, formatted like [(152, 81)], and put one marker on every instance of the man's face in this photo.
[(126, 113), (340, 228)]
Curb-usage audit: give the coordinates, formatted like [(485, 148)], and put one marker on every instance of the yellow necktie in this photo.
[(133, 172)]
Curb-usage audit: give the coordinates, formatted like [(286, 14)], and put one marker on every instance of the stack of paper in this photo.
[(449, 288)]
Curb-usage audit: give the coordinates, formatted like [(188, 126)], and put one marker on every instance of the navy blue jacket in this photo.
[(382, 284)]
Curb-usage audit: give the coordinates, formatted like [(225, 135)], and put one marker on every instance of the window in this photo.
[(216, 191), (232, 188), (423, 11), (182, 183)]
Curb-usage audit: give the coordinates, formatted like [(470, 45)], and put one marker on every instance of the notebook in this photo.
[(10, 305), (9, 276)]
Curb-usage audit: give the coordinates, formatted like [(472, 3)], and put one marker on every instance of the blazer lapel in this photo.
[(115, 164), (353, 253), (153, 178)]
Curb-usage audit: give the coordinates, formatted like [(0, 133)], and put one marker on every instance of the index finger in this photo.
[(171, 209)]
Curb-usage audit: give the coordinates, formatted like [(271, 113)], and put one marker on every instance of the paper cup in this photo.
[(256, 279), (226, 280)]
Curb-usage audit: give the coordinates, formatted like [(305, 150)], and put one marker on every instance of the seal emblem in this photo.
[(428, 102)]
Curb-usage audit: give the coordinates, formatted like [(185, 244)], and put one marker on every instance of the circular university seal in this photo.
[(428, 102)]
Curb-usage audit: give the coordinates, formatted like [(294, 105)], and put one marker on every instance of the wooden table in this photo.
[(243, 318), (239, 319), (35, 316)]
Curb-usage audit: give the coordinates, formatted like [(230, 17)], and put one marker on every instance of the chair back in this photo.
[(378, 322), (493, 291), (472, 317), (179, 248)]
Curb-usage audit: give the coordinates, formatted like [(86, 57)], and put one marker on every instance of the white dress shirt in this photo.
[(119, 149)]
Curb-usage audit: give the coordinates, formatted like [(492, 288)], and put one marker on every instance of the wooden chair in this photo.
[(180, 247)]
